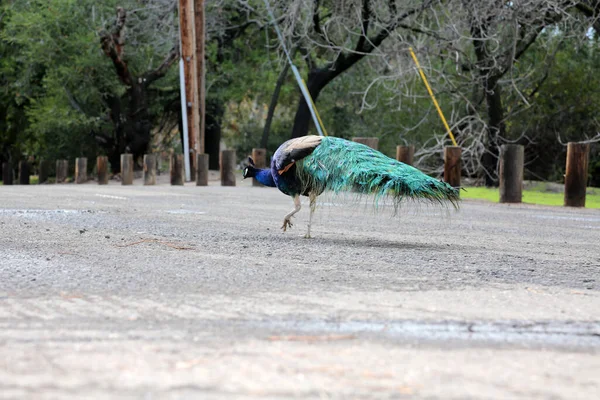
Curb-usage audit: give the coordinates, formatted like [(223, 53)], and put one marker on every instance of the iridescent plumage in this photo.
[(310, 165)]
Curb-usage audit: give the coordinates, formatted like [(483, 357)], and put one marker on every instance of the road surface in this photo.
[(133, 292)]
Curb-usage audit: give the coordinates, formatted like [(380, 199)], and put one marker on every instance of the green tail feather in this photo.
[(339, 165)]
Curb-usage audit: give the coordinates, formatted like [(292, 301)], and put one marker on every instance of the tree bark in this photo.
[(212, 138), (490, 75), (274, 99), (495, 130)]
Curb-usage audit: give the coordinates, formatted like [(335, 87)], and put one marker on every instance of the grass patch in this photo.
[(535, 195)]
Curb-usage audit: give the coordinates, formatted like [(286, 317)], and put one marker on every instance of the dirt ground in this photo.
[(133, 292)]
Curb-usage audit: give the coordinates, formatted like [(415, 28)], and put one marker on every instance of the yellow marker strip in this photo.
[(315, 108), (437, 106)]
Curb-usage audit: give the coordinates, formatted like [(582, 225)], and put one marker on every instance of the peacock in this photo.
[(310, 165)]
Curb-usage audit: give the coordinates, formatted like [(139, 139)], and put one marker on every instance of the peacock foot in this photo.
[(286, 224), (307, 236)]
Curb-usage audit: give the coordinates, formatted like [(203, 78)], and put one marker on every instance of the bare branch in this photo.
[(113, 44), (162, 69)]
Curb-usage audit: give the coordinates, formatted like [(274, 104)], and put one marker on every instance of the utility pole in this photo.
[(188, 56), (200, 71)]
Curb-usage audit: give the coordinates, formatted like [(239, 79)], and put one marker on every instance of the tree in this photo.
[(129, 113), (78, 97), (472, 51), (333, 36)]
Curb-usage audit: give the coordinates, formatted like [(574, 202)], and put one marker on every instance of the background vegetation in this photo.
[(505, 72)]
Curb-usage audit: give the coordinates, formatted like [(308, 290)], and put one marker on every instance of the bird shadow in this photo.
[(368, 242)]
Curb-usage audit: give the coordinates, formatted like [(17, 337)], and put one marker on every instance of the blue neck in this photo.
[(264, 176)]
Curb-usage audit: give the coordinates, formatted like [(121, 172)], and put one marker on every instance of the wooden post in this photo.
[(62, 170), (24, 172), (202, 170), (228, 168), (260, 161), (200, 73), (512, 158), (405, 154), (126, 169), (188, 55), (81, 170), (44, 171), (102, 168), (176, 169), (452, 167), (372, 142), (158, 163), (7, 173), (576, 174), (149, 169), (193, 166)]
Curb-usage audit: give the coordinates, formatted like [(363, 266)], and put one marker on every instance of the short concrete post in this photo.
[(149, 169), (452, 166), (201, 169), (126, 169), (228, 167), (102, 169), (260, 161), (44, 171), (177, 169), (62, 170), (372, 142), (405, 154), (512, 158), (7, 173), (81, 170), (24, 172), (576, 174)]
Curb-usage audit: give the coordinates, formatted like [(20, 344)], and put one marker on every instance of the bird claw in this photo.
[(286, 224)]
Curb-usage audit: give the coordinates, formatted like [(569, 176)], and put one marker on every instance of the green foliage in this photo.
[(59, 78), (564, 108), (58, 57), (245, 75)]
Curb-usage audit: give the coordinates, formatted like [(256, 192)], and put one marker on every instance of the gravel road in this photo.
[(133, 292)]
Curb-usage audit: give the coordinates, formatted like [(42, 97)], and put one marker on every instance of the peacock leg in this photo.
[(287, 223), (313, 204)]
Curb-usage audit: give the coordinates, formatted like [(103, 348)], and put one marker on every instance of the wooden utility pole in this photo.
[(188, 54), (200, 67)]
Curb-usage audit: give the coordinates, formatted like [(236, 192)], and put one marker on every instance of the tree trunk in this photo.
[(138, 125), (496, 130), (490, 76), (212, 138), (274, 99), (317, 80)]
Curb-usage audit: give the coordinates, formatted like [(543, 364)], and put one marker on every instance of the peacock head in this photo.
[(250, 170)]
